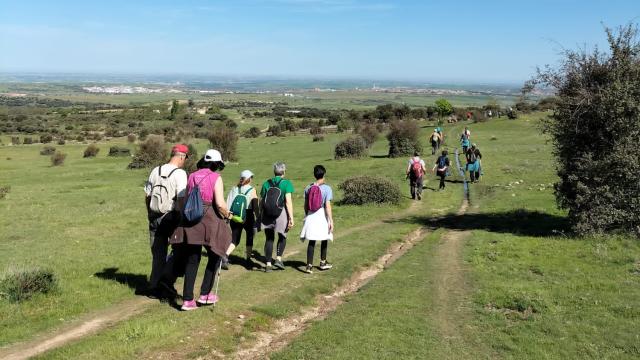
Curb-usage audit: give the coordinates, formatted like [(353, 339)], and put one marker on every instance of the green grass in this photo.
[(534, 292)]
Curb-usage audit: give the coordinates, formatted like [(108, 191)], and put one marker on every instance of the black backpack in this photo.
[(273, 201), (442, 162)]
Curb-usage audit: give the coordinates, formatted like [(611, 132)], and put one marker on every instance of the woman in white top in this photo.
[(247, 190), (318, 222)]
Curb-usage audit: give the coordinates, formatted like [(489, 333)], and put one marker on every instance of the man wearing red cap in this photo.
[(165, 189)]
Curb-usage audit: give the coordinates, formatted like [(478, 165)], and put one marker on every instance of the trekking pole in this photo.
[(218, 280)]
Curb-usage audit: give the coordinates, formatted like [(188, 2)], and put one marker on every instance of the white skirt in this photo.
[(316, 227)]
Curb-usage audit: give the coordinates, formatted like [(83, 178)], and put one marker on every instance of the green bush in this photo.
[(119, 151), (91, 151), (46, 138), (225, 140), (362, 190), (369, 133), (61, 141), (403, 138), (595, 129), (21, 284), (152, 152), (252, 132), (15, 140), (131, 138), (190, 165), (58, 158), (317, 138), (352, 147), (27, 141), (47, 150)]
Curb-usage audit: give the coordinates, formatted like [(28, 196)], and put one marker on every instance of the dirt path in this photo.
[(450, 278), (92, 323)]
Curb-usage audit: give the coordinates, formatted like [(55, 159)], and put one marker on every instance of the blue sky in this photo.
[(461, 41)]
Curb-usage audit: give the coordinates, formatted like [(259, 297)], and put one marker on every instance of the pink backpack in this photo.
[(314, 198)]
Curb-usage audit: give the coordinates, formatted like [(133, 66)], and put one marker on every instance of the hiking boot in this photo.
[(419, 197), (189, 305), (278, 264), (225, 264), (268, 268), (208, 299), (309, 269), (324, 265)]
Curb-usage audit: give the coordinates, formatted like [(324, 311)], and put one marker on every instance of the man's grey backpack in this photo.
[(163, 193)]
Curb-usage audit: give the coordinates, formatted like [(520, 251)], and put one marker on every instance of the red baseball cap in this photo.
[(180, 148)]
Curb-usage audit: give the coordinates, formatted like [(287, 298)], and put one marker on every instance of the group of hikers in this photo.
[(189, 213), (416, 168)]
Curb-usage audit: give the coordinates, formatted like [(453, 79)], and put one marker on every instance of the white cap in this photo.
[(212, 155), (246, 174)]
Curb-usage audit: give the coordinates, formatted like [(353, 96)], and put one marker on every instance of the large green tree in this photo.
[(595, 130)]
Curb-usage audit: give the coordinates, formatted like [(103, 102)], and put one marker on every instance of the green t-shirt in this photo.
[(286, 187)]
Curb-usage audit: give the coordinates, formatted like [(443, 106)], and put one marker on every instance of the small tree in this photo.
[(403, 138), (48, 150), (192, 159), (152, 152), (252, 132), (225, 140), (131, 138), (352, 147), (58, 158), (444, 107), (369, 133), (595, 129), (91, 151)]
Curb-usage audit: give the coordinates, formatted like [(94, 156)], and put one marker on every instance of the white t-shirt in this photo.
[(179, 177), (234, 191), (414, 159)]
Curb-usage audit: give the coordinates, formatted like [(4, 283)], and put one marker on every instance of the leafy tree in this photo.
[(225, 140), (595, 129), (403, 138), (444, 107)]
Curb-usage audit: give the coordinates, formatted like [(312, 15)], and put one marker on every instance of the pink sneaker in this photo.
[(188, 305), (208, 299)]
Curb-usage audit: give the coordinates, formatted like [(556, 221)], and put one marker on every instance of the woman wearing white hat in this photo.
[(243, 203)]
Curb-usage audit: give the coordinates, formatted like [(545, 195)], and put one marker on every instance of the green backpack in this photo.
[(239, 206)]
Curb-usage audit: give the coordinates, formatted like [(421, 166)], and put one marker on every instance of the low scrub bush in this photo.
[(46, 138), (362, 190), (152, 152), (119, 151), (369, 133), (352, 147), (317, 138), (131, 138), (21, 284), (4, 190), (47, 150), (225, 140), (61, 142), (27, 141), (58, 158), (91, 151), (403, 138), (190, 165), (15, 140), (252, 132), (316, 130)]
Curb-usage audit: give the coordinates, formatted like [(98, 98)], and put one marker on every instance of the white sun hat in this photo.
[(212, 155), (246, 174)]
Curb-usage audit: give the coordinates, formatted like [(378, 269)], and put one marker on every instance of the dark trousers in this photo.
[(189, 256), (415, 186), (268, 245), (160, 228), (434, 147), (442, 175), (248, 227), (311, 249)]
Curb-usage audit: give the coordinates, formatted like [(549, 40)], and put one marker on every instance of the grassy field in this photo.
[(530, 290)]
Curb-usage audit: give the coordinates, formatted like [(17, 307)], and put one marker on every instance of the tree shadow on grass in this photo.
[(518, 222), (379, 156), (136, 282)]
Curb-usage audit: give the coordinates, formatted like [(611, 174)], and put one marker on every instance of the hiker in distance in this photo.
[(243, 204), (465, 138), (441, 168), (474, 164), (318, 221), (276, 211), (204, 223), (435, 139), (415, 174), (164, 189)]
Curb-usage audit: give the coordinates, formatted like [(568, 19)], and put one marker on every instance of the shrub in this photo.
[(46, 138), (225, 140), (152, 152), (317, 138), (27, 141), (21, 284), (131, 138), (190, 165), (275, 130), (4, 190), (316, 130), (47, 150), (252, 132), (369, 133), (362, 190), (595, 129), (403, 138), (352, 147), (91, 151), (119, 151), (15, 140), (61, 141), (58, 158), (80, 138)]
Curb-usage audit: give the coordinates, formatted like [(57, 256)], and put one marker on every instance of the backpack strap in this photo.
[(247, 192), (171, 173), (160, 170)]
